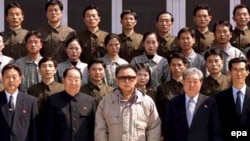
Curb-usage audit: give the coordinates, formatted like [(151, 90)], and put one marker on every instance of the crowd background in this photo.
[(214, 50), (111, 10)]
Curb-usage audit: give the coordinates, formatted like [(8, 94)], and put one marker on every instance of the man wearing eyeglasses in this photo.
[(127, 113)]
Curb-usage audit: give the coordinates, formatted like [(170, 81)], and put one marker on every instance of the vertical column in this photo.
[(233, 3), (65, 12), (178, 9), (116, 11), (2, 16)]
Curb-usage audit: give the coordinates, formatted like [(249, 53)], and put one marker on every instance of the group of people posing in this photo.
[(61, 85)]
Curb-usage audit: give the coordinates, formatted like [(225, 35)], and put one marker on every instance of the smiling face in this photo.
[(47, 69), (241, 17)]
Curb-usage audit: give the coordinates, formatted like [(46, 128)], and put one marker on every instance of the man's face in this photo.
[(54, 13), (186, 41), (126, 79), (72, 82), (96, 72), (11, 80), (73, 51), (192, 85), (91, 18), (241, 17), (238, 72), (15, 17), (202, 18), (214, 64), (34, 44), (128, 22), (222, 34), (164, 23), (177, 67), (47, 70)]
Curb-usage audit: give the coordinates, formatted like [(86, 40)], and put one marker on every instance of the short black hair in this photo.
[(1, 34), (146, 34), (123, 67), (31, 33), (141, 66), (164, 12), (91, 7), (202, 7), (178, 56), (237, 60), (96, 61), (212, 51), (11, 66), (111, 36), (248, 54), (128, 11), (45, 59), (65, 73), (186, 29), (54, 2), (240, 6), (71, 40), (13, 5), (223, 22)]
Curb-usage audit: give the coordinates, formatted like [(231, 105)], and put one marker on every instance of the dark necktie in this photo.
[(238, 103), (11, 104)]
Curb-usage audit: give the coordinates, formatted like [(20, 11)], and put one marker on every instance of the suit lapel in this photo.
[(246, 103), (4, 107), (183, 110), (200, 100), (18, 107)]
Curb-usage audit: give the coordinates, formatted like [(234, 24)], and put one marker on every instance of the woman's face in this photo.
[(142, 78), (151, 44)]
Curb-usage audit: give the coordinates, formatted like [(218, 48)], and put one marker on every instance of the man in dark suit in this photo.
[(69, 115), (192, 116), (19, 112), (234, 102)]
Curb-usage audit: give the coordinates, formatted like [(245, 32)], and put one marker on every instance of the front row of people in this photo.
[(127, 112)]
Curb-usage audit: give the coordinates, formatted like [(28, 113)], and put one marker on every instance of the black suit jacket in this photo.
[(230, 120), (69, 118), (25, 120), (204, 127)]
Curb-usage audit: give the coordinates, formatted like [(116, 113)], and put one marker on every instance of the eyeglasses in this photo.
[(126, 78)]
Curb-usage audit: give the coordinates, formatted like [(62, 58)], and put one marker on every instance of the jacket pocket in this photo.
[(140, 128)]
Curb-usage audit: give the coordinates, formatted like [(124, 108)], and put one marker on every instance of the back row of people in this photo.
[(55, 35)]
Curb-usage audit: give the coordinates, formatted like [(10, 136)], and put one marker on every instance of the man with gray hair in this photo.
[(192, 116)]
